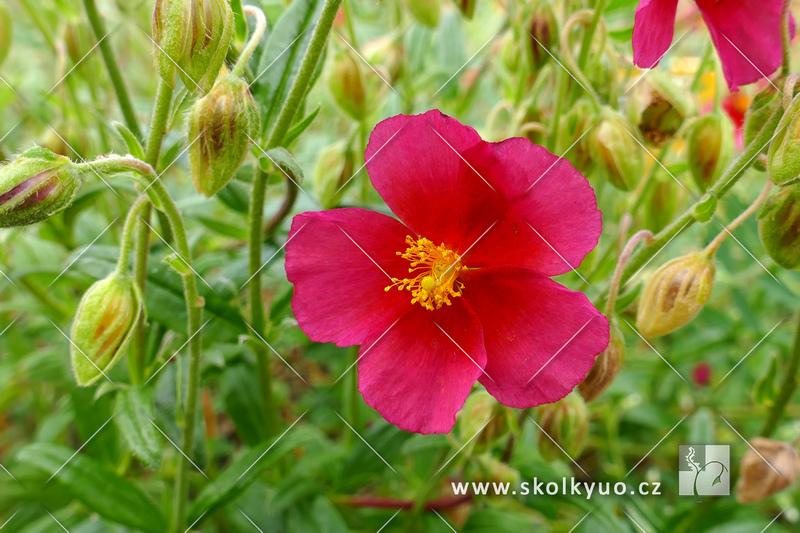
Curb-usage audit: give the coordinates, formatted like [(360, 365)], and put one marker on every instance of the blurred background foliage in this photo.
[(384, 58)]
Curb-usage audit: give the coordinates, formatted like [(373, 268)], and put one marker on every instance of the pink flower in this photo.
[(746, 33), (458, 289)]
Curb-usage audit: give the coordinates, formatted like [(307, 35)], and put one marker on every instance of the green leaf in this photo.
[(130, 140), (285, 161), (226, 229), (133, 415), (280, 61), (102, 491), (300, 127), (241, 391), (245, 470)]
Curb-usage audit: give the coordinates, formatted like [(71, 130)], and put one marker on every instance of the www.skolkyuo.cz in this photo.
[(567, 487)]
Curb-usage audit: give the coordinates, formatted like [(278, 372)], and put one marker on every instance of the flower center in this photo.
[(435, 272)]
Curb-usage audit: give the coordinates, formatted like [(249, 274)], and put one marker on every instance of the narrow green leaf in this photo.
[(133, 415), (285, 161), (240, 389), (102, 491), (300, 127), (130, 140)]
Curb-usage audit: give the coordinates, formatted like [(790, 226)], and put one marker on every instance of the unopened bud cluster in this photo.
[(565, 428)]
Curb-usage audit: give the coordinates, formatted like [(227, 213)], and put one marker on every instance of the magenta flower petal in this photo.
[(416, 374), (747, 35), (414, 164), (653, 28), (339, 291), (533, 327), (547, 219)]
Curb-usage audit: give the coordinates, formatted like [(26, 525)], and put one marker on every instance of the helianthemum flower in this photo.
[(458, 289), (746, 33)]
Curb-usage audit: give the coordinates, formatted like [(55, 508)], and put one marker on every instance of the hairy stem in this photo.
[(252, 44), (712, 248), (644, 235), (786, 36), (788, 386), (100, 33)]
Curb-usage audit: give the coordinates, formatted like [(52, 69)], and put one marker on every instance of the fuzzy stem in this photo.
[(712, 248), (644, 235), (586, 45), (194, 310), (126, 242), (786, 36), (100, 33), (579, 17), (718, 189), (252, 44), (788, 386)]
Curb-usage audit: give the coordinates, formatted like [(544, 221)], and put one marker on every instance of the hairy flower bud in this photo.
[(346, 81), (221, 126), (103, 326), (564, 424), (761, 108), (481, 410), (425, 11), (606, 366), (334, 171), (710, 147), (5, 32), (675, 294), (769, 468), (35, 186), (783, 158), (613, 146), (386, 52), (192, 37), (542, 33), (663, 199), (779, 225), (659, 107)]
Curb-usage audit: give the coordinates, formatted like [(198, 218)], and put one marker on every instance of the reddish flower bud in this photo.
[(103, 326), (768, 469), (192, 37), (35, 186), (565, 424), (779, 225), (542, 30), (221, 126), (701, 374), (606, 366), (467, 7), (659, 107)]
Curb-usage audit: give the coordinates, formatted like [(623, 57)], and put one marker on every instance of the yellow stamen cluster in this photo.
[(435, 270)]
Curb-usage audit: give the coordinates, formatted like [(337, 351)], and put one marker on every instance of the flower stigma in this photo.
[(435, 270)]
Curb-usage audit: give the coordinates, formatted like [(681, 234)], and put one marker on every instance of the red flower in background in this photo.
[(746, 33), (458, 289)]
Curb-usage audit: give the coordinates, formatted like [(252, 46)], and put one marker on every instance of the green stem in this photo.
[(586, 45), (788, 386), (194, 310), (786, 37), (126, 242), (252, 44), (720, 187), (158, 123), (256, 216), (99, 29)]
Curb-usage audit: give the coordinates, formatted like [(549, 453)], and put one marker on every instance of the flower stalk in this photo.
[(787, 387), (712, 248), (252, 44)]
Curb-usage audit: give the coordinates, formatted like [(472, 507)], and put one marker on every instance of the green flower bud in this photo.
[(663, 200), (567, 423), (580, 119), (35, 186), (221, 125), (761, 108), (346, 81), (481, 409), (606, 366), (467, 7), (425, 11), (509, 55), (334, 171), (675, 294), (779, 225), (613, 146), (192, 37), (783, 159), (542, 26), (658, 107), (103, 326), (386, 52), (710, 148), (5, 32)]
